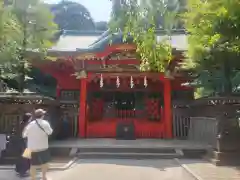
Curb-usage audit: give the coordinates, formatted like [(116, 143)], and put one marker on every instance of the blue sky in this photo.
[(99, 9)]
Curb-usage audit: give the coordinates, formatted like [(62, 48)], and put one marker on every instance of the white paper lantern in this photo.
[(145, 82), (131, 82), (118, 82), (101, 81)]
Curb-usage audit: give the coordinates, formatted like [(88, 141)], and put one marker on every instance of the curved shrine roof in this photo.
[(94, 44), (71, 41)]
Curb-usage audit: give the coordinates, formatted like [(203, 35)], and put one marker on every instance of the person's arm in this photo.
[(47, 128)]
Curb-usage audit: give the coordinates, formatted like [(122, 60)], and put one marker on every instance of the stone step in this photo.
[(63, 151), (60, 151), (126, 155), (126, 150), (105, 151), (194, 153), (118, 152)]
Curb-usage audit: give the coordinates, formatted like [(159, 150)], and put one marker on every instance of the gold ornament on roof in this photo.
[(126, 47), (52, 58), (86, 56)]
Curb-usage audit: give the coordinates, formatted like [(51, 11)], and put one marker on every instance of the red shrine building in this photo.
[(107, 94)]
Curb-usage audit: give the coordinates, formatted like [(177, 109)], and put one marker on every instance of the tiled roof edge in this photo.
[(81, 33), (99, 33)]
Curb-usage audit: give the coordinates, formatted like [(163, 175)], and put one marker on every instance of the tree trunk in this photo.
[(21, 78), (227, 77), (22, 55), (2, 86)]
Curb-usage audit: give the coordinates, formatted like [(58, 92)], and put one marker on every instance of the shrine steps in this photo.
[(118, 153), (147, 149), (128, 155)]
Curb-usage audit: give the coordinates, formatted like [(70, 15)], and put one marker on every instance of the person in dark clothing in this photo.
[(22, 165), (65, 131)]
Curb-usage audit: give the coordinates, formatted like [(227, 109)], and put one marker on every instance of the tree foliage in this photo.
[(101, 26), (214, 31), (25, 26), (139, 20), (36, 19), (31, 22), (72, 16), (10, 31), (119, 12)]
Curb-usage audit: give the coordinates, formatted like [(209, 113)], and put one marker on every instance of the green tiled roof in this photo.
[(96, 40), (71, 40)]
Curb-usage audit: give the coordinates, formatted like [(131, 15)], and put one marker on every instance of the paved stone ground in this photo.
[(11, 175), (124, 169), (117, 170), (207, 171), (139, 170)]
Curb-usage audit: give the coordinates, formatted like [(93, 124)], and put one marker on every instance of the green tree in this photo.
[(214, 31), (101, 26), (37, 24), (35, 31), (72, 16), (138, 19), (10, 32), (119, 12)]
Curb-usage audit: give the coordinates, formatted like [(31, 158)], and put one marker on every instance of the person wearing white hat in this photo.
[(37, 133)]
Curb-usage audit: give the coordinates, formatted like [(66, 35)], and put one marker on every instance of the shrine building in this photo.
[(104, 93)]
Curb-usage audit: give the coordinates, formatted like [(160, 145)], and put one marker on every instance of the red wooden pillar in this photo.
[(82, 108), (168, 108)]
